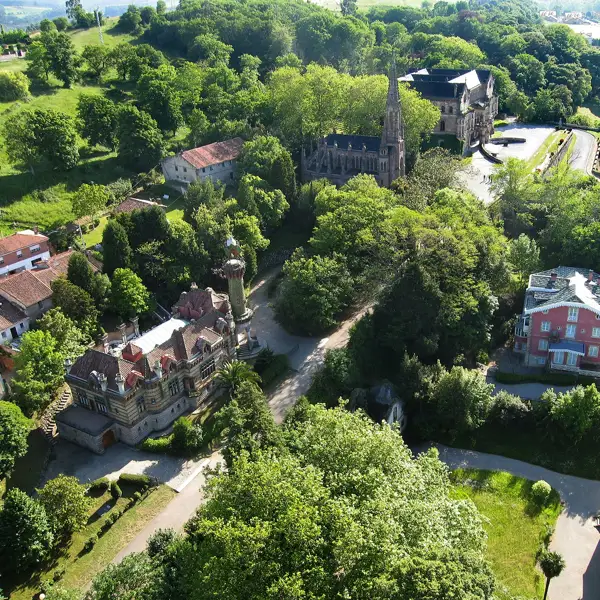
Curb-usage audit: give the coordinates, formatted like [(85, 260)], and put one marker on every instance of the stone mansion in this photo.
[(141, 385)]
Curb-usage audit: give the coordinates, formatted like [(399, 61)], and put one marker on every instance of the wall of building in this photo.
[(93, 443), (35, 311), (178, 171), (12, 263), (21, 327)]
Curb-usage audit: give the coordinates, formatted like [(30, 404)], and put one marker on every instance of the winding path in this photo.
[(575, 537)]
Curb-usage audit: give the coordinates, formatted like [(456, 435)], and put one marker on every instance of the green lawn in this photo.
[(550, 145), (514, 525), (81, 567), (94, 236), (110, 34)]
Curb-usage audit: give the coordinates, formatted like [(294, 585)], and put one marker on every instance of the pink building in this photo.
[(560, 324)]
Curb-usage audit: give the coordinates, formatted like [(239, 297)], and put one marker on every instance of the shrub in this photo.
[(142, 481), (137, 496), (90, 543), (162, 445), (187, 437), (160, 541), (99, 485), (58, 574), (508, 409), (263, 360), (115, 490), (551, 378), (279, 365), (540, 492)]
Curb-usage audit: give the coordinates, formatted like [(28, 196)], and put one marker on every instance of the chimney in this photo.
[(68, 365), (158, 369), (122, 328), (553, 277), (136, 326), (103, 381), (105, 343), (120, 381), (36, 230), (591, 276), (194, 286)]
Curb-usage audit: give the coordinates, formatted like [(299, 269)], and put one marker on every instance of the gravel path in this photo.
[(575, 537)]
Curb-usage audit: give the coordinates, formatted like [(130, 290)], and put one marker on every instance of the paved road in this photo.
[(584, 151), (177, 513), (575, 537)]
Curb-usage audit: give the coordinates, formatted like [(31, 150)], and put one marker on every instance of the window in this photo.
[(82, 398), (558, 358), (571, 359), (1, 260), (208, 369), (545, 311), (40, 304), (204, 169), (210, 168), (101, 407), (451, 109), (33, 249), (184, 169), (593, 351), (230, 175), (176, 168), (443, 109), (174, 387), (546, 327), (4, 334), (596, 332), (21, 326), (573, 314), (541, 360), (442, 125), (19, 253), (543, 345), (141, 405), (570, 331)]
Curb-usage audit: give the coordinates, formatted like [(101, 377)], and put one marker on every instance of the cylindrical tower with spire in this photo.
[(234, 270)]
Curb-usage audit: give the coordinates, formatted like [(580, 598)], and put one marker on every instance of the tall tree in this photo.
[(66, 503), (14, 430), (71, 341), (98, 59), (116, 251), (552, 565), (140, 140), (63, 59), (235, 373), (89, 200), (76, 304), (129, 295), (98, 117)]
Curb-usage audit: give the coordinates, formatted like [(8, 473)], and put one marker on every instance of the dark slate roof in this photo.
[(568, 346), (571, 285), (85, 420), (371, 142), (435, 89)]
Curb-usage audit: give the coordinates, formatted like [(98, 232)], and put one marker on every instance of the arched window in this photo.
[(443, 109), (442, 125), (451, 109)]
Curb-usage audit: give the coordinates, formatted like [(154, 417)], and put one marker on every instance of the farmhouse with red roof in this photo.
[(215, 161)]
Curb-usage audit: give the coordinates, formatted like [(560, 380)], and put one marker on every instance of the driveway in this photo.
[(306, 354), (119, 458), (575, 537), (584, 151), (527, 391)]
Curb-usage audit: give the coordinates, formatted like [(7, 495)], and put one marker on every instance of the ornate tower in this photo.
[(391, 150), (234, 270)]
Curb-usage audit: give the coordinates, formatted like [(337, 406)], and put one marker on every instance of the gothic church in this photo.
[(341, 157)]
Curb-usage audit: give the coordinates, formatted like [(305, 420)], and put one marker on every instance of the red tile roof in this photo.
[(213, 154), (16, 241), (10, 315), (24, 288)]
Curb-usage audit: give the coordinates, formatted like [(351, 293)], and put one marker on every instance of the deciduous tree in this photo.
[(14, 429), (129, 295), (140, 140), (89, 200), (116, 251), (70, 340)]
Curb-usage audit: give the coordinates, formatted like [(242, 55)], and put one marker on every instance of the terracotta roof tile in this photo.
[(16, 241), (213, 154), (10, 315), (24, 288), (132, 204), (196, 303)]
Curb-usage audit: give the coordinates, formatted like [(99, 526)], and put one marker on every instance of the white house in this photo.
[(215, 161)]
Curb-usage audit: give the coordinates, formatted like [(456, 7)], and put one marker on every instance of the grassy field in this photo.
[(515, 527), (18, 201), (335, 5), (81, 567)]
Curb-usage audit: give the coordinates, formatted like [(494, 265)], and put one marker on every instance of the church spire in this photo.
[(392, 137)]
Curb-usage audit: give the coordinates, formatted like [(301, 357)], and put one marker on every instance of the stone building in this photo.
[(466, 100), (215, 161), (340, 157), (143, 384)]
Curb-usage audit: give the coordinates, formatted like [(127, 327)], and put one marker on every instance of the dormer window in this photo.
[(19, 253)]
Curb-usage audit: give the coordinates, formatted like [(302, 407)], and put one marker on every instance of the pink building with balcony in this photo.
[(560, 324)]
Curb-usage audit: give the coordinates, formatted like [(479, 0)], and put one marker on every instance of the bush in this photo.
[(551, 378), (508, 410), (142, 481), (187, 437), (99, 485), (58, 574), (137, 496), (263, 360), (279, 365), (90, 543), (161, 445), (160, 541), (115, 490), (540, 492)]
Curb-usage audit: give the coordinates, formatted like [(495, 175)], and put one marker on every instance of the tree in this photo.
[(98, 117), (140, 140), (135, 577), (187, 436), (62, 56), (202, 192), (161, 101), (14, 430), (46, 26), (147, 13), (314, 292), (70, 340), (40, 370), (234, 373), (116, 251), (13, 86), (36, 135), (25, 534), (76, 304), (552, 565), (38, 59), (61, 23), (266, 158), (575, 413), (129, 295), (89, 200), (161, 7), (72, 7), (80, 273), (247, 423), (524, 256), (348, 7), (258, 198), (131, 19), (66, 503), (98, 59)]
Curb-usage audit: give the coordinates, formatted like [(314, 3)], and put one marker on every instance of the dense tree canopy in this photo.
[(14, 429)]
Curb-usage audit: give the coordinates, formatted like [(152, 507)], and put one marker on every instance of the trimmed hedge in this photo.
[(161, 445), (139, 480), (90, 543), (99, 485), (115, 490), (551, 378)]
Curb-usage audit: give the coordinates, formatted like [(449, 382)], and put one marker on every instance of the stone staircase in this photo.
[(47, 421)]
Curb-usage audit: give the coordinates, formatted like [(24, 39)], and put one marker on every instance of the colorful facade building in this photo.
[(560, 325)]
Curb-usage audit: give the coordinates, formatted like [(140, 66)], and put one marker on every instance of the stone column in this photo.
[(234, 270)]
